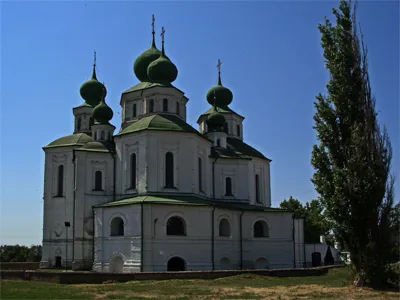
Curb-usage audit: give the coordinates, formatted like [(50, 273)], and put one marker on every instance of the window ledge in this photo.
[(58, 196), (97, 190), (131, 190)]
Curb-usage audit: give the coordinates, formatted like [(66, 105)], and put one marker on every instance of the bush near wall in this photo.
[(97, 278)]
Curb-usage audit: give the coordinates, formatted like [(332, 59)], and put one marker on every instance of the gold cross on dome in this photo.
[(152, 22), (162, 33), (94, 62), (219, 65)]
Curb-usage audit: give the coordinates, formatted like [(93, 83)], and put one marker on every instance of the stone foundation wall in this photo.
[(98, 278)]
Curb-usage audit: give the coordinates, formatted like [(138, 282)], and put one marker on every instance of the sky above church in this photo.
[(271, 60)]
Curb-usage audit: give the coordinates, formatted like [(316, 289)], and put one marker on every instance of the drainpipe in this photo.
[(241, 240), (93, 252), (212, 238), (294, 247), (114, 176), (141, 236), (304, 247), (73, 207), (212, 217)]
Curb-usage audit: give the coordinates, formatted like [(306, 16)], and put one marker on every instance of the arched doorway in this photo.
[(261, 263), (225, 264), (116, 265), (176, 264)]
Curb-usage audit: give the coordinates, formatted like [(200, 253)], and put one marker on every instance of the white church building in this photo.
[(159, 195)]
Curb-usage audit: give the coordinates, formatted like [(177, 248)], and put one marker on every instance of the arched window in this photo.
[(134, 110), (165, 104), (117, 227), (237, 129), (176, 226), (228, 186), (151, 105), (257, 180), (169, 170), (60, 181), (102, 137), (200, 175), (91, 122), (218, 143), (78, 123), (226, 127), (98, 181), (260, 229), (178, 109), (224, 228), (133, 170)]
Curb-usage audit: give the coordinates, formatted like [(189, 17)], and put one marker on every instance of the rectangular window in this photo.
[(165, 105), (134, 112), (98, 181)]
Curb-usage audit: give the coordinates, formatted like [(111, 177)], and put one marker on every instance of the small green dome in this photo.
[(162, 69), (215, 120), (144, 60), (102, 113), (223, 96), (92, 90)]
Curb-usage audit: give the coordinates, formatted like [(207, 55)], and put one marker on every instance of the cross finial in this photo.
[(153, 19), (219, 66), (162, 34), (94, 61)]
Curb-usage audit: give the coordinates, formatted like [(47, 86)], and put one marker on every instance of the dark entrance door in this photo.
[(176, 264), (316, 259), (58, 261)]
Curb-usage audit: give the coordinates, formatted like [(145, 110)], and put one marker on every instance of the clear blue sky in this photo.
[(272, 62)]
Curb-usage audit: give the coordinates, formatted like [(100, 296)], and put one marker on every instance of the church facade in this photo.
[(160, 195)]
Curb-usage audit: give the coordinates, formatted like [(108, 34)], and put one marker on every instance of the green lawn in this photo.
[(334, 285)]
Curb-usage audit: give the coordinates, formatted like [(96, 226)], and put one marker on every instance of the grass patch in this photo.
[(334, 285)]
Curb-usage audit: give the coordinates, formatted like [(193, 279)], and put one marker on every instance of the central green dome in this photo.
[(162, 70), (223, 96), (102, 113), (144, 60), (92, 90)]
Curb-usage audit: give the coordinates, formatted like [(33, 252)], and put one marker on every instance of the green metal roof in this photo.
[(78, 139), (175, 200), (97, 146), (223, 109), (243, 149), (146, 85), (161, 122), (190, 201)]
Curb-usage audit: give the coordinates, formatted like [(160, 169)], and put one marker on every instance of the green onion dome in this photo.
[(102, 113), (162, 70), (222, 94), (92, 90), (215, 120), (144, 60)]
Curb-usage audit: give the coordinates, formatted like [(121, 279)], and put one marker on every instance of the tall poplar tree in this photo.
[(353, 157)]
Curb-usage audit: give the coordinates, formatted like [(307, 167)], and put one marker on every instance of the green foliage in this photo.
[(315, 222), (17, 253), (352, 160)]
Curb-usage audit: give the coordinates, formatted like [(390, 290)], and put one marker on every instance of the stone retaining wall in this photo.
[(97, 278)]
